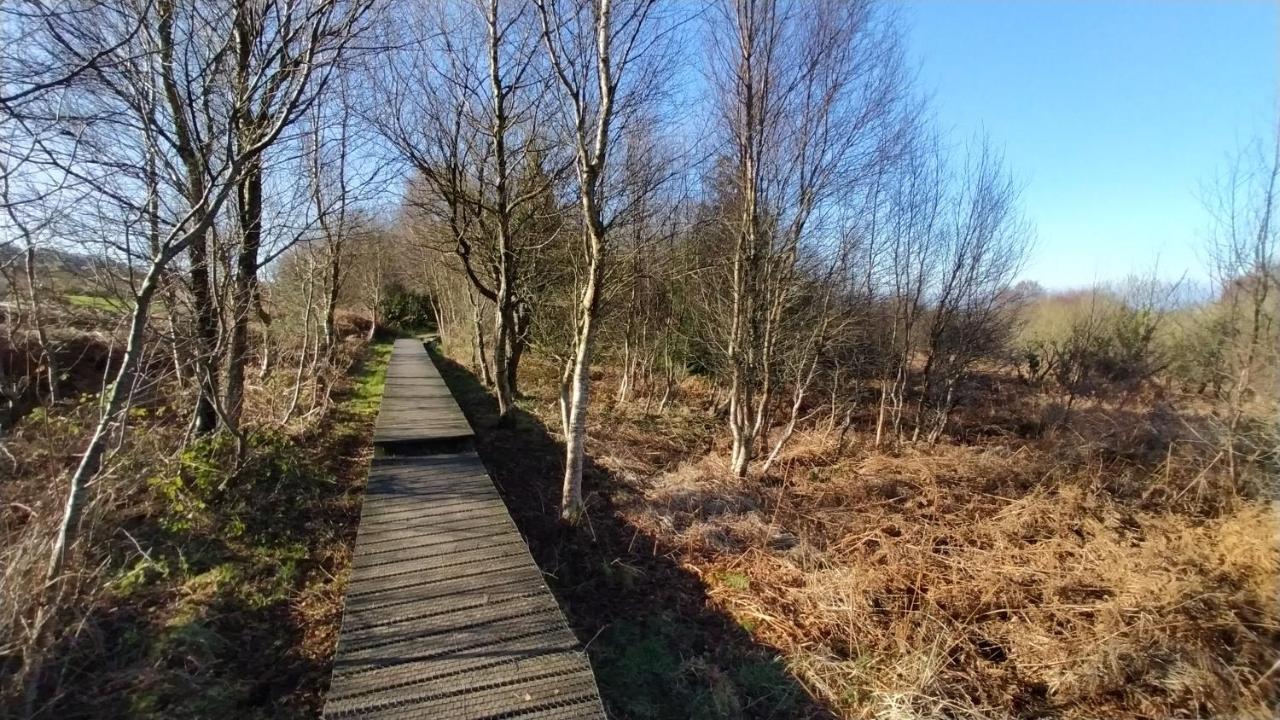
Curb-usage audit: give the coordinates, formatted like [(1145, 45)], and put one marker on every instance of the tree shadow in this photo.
[(233, 616), (658, 647)]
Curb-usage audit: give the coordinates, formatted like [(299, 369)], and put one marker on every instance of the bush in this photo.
[(208, 494), (1087, 348), (1198, 351), (406, 310)]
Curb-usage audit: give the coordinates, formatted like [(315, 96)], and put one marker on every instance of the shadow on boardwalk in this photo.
[(659, 649)]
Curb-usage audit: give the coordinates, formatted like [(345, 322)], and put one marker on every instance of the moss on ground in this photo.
[(369, 381)]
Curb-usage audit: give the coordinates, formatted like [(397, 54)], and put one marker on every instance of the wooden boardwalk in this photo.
[(416, 404), (446, 616)]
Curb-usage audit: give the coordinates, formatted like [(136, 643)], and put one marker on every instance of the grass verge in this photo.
[(95, 302)]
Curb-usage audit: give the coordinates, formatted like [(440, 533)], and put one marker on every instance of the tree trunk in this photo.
[(249, 216), (787, 432), (740, 425), (177, 345), (373, 310), (880, 414), (501, 344), (668, 381), (268, 354), (943, 413), (334, 286), (578, 398), (519, 341), (185, 140), (844, 428), (206, 339), (479, 349), (47, 357), (513, 366), (624, 384), (302, 358), (576, 394), (120, 389)]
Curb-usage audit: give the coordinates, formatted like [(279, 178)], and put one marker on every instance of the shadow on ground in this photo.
[(233, 609), (659, 649)]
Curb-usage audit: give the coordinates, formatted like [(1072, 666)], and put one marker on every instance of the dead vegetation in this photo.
[(775, 314), (1053, 576)]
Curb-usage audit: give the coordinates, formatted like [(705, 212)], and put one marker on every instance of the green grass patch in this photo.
[(224, 580), (139, 576), (648, 669), (733, 580), (370, 379), (233, 541), (96, 302)]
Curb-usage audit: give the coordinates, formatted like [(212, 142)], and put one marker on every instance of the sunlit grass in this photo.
[(95, 302), (366, 392)]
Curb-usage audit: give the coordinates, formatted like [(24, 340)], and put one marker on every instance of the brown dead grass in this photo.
[(966, 580), (1064, 577)]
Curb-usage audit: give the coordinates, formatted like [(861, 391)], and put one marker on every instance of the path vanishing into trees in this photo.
[(446, 614)]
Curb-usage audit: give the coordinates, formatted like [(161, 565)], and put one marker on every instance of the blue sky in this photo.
[(1112, 113)]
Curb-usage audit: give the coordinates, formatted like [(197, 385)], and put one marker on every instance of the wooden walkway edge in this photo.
[(447, 615)]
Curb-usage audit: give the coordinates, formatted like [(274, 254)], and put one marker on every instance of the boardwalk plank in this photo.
[(447, 616), (417, 405)]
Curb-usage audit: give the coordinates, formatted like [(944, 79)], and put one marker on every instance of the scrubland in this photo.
[(1105, 569)]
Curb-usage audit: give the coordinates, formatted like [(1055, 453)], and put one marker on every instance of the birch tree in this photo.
[(172, 101), (601, 54), (809, 97), (463, 107)]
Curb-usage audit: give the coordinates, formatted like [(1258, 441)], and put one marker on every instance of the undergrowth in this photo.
[(218, 590)]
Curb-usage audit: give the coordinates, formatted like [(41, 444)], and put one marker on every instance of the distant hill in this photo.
[(66, 271)]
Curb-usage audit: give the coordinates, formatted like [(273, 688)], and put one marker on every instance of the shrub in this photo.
[(209, 492), (1087, 348), (406, 310)]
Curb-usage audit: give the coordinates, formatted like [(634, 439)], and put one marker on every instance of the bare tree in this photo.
[(338, 225), (35, 67), (906, 230), (601, 55), (809, 106), (194, 135), (463, 107), (971, 312), (34, 60), (27, 227), (1244, 250)]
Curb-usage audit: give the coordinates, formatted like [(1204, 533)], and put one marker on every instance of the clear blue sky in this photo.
[(1112, 113)]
